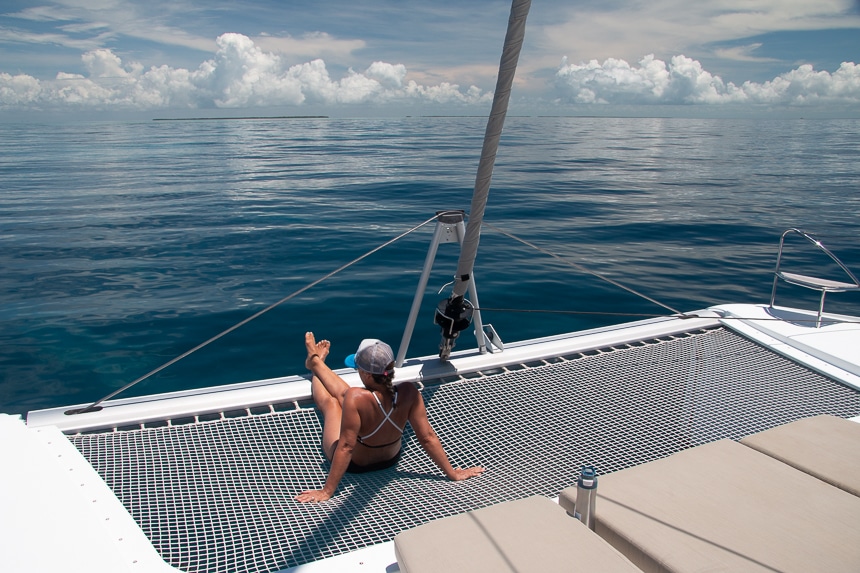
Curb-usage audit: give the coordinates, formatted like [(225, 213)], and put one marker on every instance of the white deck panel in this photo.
[(376, 559), (58, 514), (831, 349)]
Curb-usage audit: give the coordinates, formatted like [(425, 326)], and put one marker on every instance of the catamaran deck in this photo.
[(217, 495)]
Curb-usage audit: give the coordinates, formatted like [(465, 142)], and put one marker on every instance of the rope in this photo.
[(95, 405)]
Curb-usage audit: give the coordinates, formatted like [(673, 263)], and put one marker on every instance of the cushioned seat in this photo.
[(726, 507), (527, 535), (826, 447)]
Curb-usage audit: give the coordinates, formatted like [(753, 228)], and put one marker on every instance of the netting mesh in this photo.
[(218, 496)]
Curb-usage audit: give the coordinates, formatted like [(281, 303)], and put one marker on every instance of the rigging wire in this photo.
[(650, 315), (675, 313), (582, 312), (584, 269), (95, 405)]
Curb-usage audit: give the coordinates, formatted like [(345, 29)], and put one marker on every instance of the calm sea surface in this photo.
[(123, 245)]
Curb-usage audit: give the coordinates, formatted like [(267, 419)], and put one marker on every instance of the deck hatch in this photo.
[(217, 496)]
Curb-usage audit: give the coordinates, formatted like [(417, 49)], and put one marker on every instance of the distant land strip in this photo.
[(244, 117)]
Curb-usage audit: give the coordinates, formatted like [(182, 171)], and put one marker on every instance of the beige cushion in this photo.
[(726, 507), (527, 535), (826, 447)]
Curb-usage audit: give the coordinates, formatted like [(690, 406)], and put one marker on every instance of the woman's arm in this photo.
[(430, 442), (349, 427)]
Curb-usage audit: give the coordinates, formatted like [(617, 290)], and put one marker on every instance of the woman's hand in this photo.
[(461, 474), (313, 495)]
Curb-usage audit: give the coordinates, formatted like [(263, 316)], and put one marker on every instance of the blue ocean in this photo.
[(125, 244)]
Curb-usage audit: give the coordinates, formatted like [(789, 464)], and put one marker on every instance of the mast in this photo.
[(454, 314)]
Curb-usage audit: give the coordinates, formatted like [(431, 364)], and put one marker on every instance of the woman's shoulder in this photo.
[(406, 390), (357, 394)]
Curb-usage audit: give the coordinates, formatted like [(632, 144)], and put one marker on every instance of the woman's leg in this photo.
[(328, 390), (331, 411), (333, 383)]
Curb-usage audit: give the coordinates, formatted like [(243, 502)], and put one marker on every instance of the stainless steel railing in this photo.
[(806, 281)]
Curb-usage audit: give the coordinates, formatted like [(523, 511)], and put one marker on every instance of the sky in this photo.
[(219, 58)]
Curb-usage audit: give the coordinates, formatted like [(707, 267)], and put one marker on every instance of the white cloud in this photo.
[(310, 46), (18, 91), (389, 76), (742, 54), (108, 19), (684, 81), (621, 30), (41, 14), (16, 36), (102, 63), (243, 75), (240, 75), (806, 86), (84, 27)]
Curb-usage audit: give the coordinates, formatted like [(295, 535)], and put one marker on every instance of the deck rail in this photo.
[(816, 283)]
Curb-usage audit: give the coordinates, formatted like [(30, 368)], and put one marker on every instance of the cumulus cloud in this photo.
[(240, 75), (684, 81), (18, 91)]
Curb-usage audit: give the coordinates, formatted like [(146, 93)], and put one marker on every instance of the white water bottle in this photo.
[(586, 496)]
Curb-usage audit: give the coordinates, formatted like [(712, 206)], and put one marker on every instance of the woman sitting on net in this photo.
[(363, 427)]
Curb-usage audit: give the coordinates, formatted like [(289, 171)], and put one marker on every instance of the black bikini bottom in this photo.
[(354, 468)]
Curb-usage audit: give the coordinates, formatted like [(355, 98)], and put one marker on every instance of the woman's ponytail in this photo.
[(386, 379)]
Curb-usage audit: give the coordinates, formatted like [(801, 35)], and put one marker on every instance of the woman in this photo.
[(363, 427)]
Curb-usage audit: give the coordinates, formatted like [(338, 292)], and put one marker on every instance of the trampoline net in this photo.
[(217, 496)]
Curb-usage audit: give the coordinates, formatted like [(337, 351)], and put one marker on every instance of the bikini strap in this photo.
[(387, 417)]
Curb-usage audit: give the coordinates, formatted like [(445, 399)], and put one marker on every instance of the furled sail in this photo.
[(454, 315)]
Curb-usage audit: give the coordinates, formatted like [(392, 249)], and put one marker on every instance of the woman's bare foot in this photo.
[(315, 348)]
